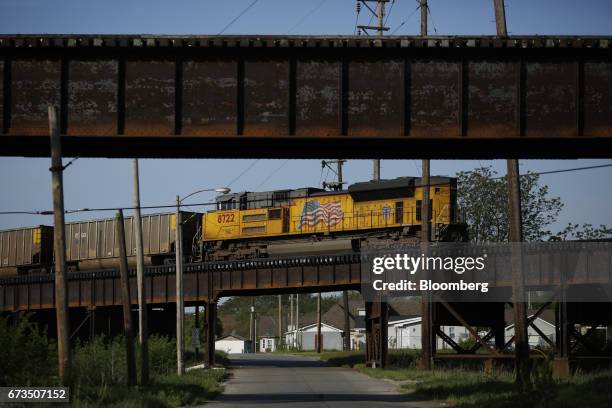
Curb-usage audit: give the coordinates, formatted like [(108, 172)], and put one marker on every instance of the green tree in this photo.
[(483, 200), (582, 232)]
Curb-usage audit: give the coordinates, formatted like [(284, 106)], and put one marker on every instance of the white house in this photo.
[(267, 344), (305, 337), (406, 333), (535, 340), (232, 344)]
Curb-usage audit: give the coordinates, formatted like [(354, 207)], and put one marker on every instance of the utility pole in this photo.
[(319, 342), (347, 323), (196, 332), (298, 342), (291, 321), (59, 248), (180, 305), (252, 325), (380, 29), (142, 301), (427, 335), (280, 319), (126, 301), (521, 343), (424, 10), (380, 11)]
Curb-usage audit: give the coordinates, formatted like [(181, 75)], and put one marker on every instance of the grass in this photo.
[(99, 370), (193, 388), (469, 387)]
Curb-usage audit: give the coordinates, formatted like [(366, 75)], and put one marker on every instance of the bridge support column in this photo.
[(376, 334), (209, 331), (499, 331), (560, 366)]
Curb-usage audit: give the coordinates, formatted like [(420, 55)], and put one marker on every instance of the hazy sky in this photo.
[(25, 183)]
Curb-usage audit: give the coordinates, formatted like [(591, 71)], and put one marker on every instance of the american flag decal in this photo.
[(314, 213)]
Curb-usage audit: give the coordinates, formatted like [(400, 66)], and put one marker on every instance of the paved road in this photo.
[(295, 381)]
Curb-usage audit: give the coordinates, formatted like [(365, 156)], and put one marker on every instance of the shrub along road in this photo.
[(305, 381)]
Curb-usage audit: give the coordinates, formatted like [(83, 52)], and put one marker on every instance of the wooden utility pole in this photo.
[(252, 325), (298, 341), (59, 248), (347, 322), (500, 18), (291, 321), (426, 306), (521, 343), (126, 301), (196, 332), (319, 339), (180, 305), (142, 300), (424, 11), (345, 302), (280, 319), (380, 13)]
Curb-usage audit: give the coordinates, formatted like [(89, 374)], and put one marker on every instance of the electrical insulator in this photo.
[(358, 7)]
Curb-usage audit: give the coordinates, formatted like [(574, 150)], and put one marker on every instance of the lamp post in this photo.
[(180, 305)]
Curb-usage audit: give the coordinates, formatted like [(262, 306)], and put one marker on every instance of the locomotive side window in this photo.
[(274, 214)]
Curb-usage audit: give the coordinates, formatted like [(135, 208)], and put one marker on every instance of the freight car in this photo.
[(246, 225), (94, 245), (26, 250)]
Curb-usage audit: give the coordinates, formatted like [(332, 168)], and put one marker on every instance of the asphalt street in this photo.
[(296, 381)]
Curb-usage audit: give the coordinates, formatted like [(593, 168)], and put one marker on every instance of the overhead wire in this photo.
[(237, 17), (243, 173), (271, 174), (304, 17), (433, 23), (389, 12), (150, 207), (407, 18)]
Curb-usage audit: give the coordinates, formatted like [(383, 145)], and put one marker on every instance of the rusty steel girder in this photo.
[(308, 97), (201, 282)]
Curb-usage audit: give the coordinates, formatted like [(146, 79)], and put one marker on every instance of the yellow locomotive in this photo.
[(285, 222)]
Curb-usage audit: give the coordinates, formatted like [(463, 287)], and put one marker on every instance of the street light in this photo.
[(180, 304)]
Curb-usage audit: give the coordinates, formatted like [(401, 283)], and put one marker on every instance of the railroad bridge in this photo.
[(99, 293), (304, 97), (403, 97)]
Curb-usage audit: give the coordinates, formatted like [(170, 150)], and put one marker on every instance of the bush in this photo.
[(35, 363)]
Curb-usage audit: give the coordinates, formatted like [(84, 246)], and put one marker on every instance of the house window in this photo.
[(451, 332)]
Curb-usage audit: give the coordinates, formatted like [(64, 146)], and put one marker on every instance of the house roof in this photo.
[(308, 326), (231, 337)]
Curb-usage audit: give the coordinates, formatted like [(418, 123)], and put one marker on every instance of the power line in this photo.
[(271, 174), (431, 18), (389, 12), (407, 18), (304, 17), (237, 17), (150, 207), (243, 173)]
